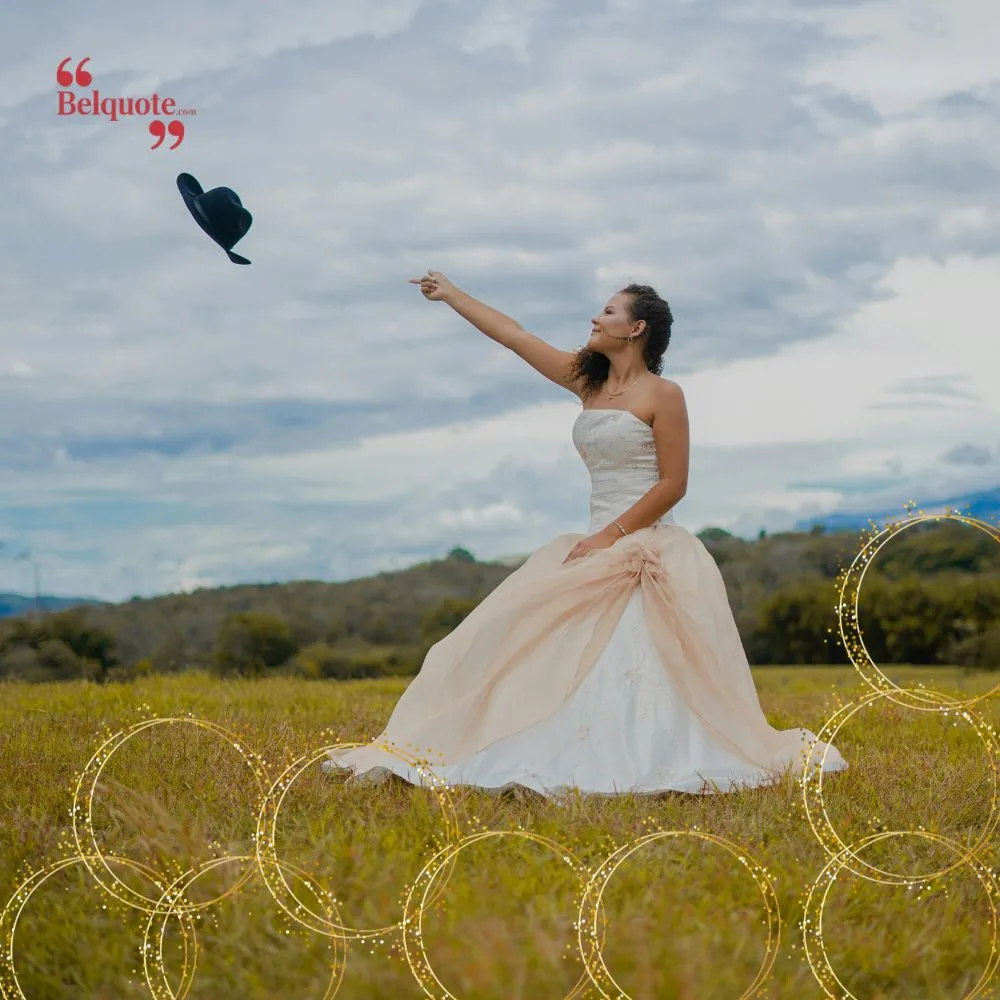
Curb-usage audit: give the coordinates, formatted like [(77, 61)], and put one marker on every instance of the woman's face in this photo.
[(613, 321)]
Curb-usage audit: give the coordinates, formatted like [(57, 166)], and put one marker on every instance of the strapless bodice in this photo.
[(620, 454)]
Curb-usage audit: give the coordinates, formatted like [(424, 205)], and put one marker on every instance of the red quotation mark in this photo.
[(159, 131), (82, 78)]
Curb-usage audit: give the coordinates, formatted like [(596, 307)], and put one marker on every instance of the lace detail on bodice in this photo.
[(620, 454)]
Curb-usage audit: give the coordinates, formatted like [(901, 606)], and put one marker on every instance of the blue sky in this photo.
[(814, 188)]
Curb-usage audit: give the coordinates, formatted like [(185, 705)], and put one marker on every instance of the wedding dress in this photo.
[(619, 671)]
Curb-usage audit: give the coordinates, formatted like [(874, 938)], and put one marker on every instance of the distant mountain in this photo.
[(984, 506), (18, 604)]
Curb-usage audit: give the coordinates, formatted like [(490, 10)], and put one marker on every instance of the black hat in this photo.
[(219, 212)]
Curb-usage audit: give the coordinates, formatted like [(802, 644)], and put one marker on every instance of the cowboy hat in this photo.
[(219, 212)]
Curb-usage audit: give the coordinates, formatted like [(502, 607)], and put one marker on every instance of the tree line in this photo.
[(934, 597)]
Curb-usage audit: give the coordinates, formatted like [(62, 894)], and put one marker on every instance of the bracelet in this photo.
[(619, 527)]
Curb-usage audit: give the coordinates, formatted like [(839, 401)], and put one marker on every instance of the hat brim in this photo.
[(190, 196), (188, 184), (236, 258)]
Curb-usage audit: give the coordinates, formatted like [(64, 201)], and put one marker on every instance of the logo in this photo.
[(117, 108)]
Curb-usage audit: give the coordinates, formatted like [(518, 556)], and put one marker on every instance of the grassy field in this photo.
[(683, 917)]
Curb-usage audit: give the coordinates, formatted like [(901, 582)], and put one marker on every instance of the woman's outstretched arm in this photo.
[(549, 361)]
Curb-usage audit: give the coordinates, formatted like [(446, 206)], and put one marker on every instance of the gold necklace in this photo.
[(620, 392)]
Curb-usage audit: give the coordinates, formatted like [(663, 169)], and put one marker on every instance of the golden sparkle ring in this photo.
[(153, 958), (267, 853), (172, 900), (812, 917), (850, 623), (590, 924), (417, 901), (83, 812), (10, 986), (587, 922), (819, 818), (846, 856)]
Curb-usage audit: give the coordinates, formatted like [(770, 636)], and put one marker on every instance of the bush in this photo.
[(320, 660), (377, 630), (20, 663), (59, 663), (906, 620), (60, 646), (88, 642), (794, 626), (979, 648), (249, 643), (445, 618)]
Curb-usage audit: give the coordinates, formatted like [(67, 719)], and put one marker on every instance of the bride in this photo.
[(608, 662)]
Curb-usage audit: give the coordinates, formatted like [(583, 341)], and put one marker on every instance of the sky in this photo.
[(813, 187)]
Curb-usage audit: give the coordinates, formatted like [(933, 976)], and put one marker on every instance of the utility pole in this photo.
[(25, 556)]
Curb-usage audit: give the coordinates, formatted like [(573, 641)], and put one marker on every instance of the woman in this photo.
[(607, 663)]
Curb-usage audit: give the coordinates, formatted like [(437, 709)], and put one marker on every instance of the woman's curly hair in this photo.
[(644, 304)]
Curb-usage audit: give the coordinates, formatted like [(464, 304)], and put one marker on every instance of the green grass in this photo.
[(683, 918)]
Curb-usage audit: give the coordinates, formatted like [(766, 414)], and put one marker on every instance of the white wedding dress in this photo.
[(624, 726)]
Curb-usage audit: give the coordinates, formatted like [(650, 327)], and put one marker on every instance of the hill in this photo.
[(940, 586), (18, 604), (985, 506), (385, 610)]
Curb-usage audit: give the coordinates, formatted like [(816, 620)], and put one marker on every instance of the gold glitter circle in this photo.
[(9, 983), (847, 612), (812, 787), (413, 911), (844, 856), (267, 855), (432, 880), (812, 923), (153, 960), (97, 764), (592, 951)]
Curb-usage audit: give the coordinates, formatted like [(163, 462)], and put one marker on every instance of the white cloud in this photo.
[(491, 516), (903, 54), (812, 188), (935, 324)]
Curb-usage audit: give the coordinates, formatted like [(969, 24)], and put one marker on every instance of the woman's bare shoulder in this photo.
[(662, 384), (665, 401), (669, 395)]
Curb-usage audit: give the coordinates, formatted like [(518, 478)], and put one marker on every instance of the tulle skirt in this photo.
[(619, 672)]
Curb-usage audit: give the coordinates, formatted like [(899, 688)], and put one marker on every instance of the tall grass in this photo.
[(683, 918)]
